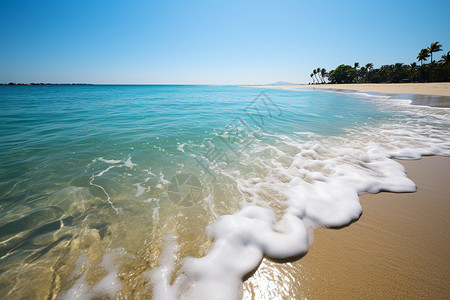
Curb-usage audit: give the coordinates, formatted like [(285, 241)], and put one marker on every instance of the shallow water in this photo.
[(106, 191)]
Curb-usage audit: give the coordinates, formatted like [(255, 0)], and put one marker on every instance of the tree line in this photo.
[(398, 72)]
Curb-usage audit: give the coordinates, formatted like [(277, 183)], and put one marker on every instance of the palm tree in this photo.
[(318, 74), (413, 71), (369, 67), (423, 55), (315, 75), (312, 77), (434, 47), (445, 58), (363, 73), (356, 66), (323, 73)]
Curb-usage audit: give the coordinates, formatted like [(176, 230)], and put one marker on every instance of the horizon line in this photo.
[(200, 84)]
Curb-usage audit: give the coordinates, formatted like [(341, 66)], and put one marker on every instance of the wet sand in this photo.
[(428, 88), (398, 249), (432, 94)]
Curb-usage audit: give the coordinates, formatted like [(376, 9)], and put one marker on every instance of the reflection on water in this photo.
[(93, 179), (277, 281)]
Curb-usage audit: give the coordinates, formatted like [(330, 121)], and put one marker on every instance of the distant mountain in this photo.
[(281, 83)]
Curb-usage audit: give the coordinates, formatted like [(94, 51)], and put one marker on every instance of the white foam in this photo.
[(305, 133), (108, 286), (161, 276), (150, 200), (162, 180), (109, 161), (104, 171), (140, 189), (129, 164), (149, 172), (155, 214), (180, 147), (108, 197), (322, 185), (241, 240)]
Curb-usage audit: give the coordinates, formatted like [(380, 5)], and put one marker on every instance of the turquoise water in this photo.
[(51, 133), (87, 170)]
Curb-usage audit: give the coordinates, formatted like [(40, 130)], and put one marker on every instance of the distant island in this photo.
[(43, 83)]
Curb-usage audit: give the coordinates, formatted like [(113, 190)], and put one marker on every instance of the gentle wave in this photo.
[(178, 192), (322, 184)]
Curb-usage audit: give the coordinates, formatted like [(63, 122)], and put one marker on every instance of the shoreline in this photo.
[(397, 249), (435, 94), (399, 246)]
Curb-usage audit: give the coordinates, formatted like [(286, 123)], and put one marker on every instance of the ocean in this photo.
[(170, 191)]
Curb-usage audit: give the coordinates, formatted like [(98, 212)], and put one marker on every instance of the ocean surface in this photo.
[(173, 192)]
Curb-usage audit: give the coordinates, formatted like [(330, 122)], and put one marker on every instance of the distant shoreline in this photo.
[(42, 83), (133, 84), (429, 88)]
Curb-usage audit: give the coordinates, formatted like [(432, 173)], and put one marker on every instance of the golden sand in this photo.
[(430, 88), (398, 249)]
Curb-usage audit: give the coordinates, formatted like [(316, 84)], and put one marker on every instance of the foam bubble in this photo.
[(140, 189), (108, 286), (180, 147), (109, 161), (161, 276), (129, 164)]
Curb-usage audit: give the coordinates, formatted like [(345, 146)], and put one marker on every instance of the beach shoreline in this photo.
[(141, 182), (397, 249), (431, 94), (399, 246)]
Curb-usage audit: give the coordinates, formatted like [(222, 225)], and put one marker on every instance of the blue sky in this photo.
[(209, 42)]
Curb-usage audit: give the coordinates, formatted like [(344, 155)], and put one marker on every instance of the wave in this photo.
[(264, 202), (319, 187)]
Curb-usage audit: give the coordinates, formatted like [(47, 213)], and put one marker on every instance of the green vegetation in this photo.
[(434, 47), (398, 72), (423, 55)]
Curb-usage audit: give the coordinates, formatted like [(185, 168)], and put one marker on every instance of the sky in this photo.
[(209, 42)]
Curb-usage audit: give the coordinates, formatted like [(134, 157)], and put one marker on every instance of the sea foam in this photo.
[(109, 286), (287, 187), (322, 185)]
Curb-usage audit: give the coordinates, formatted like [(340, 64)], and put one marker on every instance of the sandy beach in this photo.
[(432, 94), (398, 249), (431, 88)]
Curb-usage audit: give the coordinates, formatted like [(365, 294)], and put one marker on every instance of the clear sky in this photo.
[(209, 42)]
